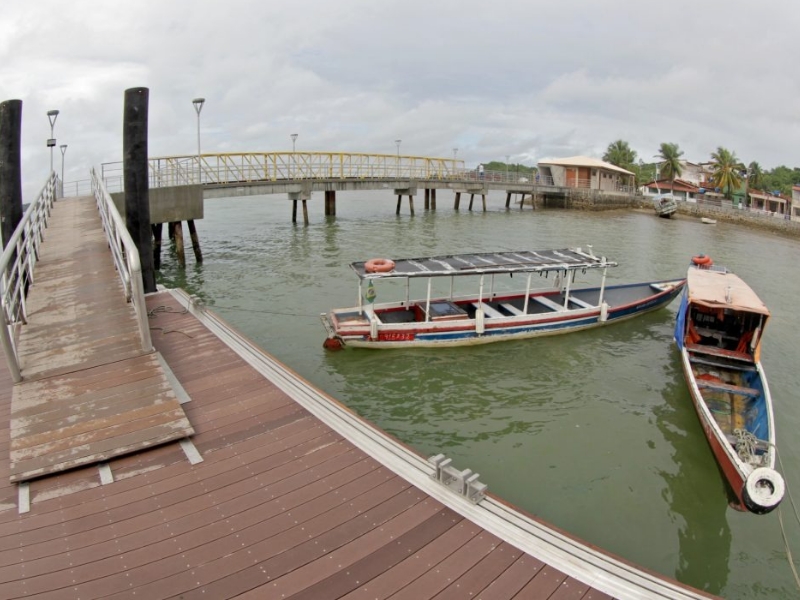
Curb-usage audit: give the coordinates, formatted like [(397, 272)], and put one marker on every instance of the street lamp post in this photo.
[(198, 106), (294, 160), (52, 115), (63, 152), (398, 156), (455, 153)]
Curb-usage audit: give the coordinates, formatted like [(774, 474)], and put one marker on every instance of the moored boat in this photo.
[(440, 316), (708, 221), (665, 206), (718, 331)]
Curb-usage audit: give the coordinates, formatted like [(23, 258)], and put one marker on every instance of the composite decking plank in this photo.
[(454, 566), (477, 578), (543, 585), (397, 577), (392, 552), (272, 558), (513, 579)]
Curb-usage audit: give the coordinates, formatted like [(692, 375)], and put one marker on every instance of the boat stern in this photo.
[(333, 341)]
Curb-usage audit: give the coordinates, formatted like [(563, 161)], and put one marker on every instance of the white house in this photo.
[(585, 172)]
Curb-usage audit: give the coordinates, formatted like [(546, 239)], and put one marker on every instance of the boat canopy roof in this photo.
[(481, 263), (722, 289)]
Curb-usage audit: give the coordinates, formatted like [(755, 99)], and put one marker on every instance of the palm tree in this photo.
[(619, 153), (726, 170), (671, 167), (755, 176)]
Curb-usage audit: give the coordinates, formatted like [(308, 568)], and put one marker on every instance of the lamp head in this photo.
[(198, 104)]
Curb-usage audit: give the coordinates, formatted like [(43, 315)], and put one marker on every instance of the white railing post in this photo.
[(126, 258)]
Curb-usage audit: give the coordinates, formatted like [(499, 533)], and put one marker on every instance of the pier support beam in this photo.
[(433, 199), (198, 255), (458, 201), (10, 171), (157, 230), (177, 236), (137, 202), (409, 191), (303, 194)]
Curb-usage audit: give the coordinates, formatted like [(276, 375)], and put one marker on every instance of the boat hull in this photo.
[(468, 331), (732, 400)]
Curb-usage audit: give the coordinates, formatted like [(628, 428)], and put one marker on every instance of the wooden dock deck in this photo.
[(290, 495)]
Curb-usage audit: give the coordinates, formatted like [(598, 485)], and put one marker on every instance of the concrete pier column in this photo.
[(330, 203), (177, 236), (10, 170), (305, 212), (294, 211), (427, 198), (471, 199), (458, 201), (508, 199), (157, 231), (433, 199), (137, 201)]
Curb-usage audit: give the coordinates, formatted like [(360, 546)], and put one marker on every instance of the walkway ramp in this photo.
[(89, 391)]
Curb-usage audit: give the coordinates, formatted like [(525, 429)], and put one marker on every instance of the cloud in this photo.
[(524, 79)]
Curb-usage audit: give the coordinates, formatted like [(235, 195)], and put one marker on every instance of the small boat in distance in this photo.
[(708, 221), (442, 317), (665, 205), (718, 331)]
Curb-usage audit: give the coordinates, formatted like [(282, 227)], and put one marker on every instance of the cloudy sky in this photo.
[(524, 78)]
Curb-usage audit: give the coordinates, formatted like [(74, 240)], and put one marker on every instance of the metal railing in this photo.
[(126, 257), (72, 189), (16, 268)]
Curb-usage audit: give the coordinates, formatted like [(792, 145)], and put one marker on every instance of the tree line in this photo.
[(727, 171)]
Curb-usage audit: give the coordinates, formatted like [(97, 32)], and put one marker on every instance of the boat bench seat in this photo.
[(579, 302), (714, 351), (511, 308), (721, 365), (488, 310), (548, 303), (726, 387)]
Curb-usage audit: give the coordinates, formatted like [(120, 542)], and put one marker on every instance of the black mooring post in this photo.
[(10, 172), (137, 199)]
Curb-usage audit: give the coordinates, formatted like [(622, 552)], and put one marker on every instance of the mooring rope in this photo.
[(746, 444), (783, 529)]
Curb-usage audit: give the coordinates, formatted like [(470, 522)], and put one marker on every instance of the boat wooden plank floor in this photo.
[(89, 392)]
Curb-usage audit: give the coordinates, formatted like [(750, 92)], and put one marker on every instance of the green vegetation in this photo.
[(513, 169), (619, 153), (726, 170), (780, 179), (670, 166)]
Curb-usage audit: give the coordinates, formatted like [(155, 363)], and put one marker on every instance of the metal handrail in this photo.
[(16, 269), (126, 257)]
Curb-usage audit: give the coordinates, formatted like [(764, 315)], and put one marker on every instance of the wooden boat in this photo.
[(487, 314), (708, 221), (719, 329), (665, 206)]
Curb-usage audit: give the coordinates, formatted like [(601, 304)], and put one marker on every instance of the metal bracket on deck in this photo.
[(465, 483)]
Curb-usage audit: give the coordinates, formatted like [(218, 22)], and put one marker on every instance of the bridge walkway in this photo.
[(89, 391)]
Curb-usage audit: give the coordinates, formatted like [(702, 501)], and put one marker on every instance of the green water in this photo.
[(593, 431)]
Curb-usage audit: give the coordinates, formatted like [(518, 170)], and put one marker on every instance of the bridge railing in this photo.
[(274, 166), (16, 267), (126, 257)]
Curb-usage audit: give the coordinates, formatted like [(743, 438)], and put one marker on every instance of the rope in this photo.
[(746, 444), (783, 529)]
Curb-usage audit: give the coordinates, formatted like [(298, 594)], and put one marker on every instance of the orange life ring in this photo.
[(702, 260), (378, 265)]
